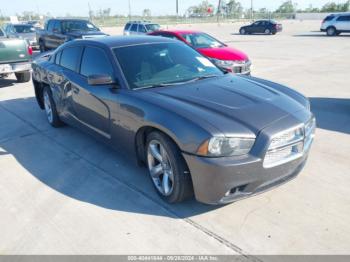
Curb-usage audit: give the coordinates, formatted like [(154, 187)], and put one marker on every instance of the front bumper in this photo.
[(15, 67), (214, 177), (222, 180)]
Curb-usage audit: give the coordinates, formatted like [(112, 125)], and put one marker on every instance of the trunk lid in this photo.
[(13, 50)]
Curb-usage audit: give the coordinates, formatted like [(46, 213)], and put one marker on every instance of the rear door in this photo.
[(90, 103), (343, 23), (257, 27), (133, 29)]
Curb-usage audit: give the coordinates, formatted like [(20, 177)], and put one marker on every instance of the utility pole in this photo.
[(89, 11), (129, 10), (251, 10), (177, 8), (218, 12)]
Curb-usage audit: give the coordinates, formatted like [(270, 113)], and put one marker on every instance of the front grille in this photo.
[(290, 144)]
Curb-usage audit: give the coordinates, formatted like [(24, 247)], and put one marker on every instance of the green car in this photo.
[(15, 57)]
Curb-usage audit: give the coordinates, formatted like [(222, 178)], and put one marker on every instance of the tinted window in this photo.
[(133, 28), (142, 29), (127, 26), (152, 27), (344, 18), (77, 25), (57, 26), (1, 33), (201, 40), (163, 63), (24, 29), (95, 62), (50, 25), (70, 57), (329, 18)]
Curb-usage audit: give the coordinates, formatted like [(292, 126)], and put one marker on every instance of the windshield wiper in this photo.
[(201, 78), (157, 85)]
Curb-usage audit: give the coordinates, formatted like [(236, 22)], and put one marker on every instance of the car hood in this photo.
[(230, 103), (77, 34), (223, 53)]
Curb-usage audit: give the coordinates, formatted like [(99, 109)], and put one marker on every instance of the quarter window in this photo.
[(95, 62), (70, 57), (133, 28), (142, 29)]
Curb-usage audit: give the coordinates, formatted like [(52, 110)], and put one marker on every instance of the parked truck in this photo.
[(59, 31), (15, 57)]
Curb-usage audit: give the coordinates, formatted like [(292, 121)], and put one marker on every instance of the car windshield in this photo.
[(152, 27), (201, 40), (69, 26), (21, 29), (160, 64)]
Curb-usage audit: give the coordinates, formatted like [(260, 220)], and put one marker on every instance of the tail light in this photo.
[(30, 50)]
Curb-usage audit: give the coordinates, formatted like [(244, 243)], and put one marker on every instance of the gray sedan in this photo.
[(197, 129)]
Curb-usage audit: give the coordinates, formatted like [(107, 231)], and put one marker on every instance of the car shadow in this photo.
[(320, 34), (332, 113), (7, 82), (79, 167)]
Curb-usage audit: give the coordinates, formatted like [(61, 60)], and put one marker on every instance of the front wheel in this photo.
[(50, 108), (242, 31), (167, 168), (23, 77)]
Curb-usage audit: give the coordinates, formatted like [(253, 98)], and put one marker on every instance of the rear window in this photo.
[(70, 57), (127, 26), (21, 29), (329, 18)]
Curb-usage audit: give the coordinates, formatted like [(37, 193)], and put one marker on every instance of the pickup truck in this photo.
[(15, 57), (59, 31)]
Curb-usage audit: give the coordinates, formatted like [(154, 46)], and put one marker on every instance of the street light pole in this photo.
[(129, 10), (251, 10)]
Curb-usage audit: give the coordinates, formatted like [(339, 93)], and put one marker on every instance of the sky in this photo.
[(157, 7)]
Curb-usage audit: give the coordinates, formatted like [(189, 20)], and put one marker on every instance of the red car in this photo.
[(228, 58)]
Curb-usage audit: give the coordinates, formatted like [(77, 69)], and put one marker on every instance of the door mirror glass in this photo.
[(95, 80)]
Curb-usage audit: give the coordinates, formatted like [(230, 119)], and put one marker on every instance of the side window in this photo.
[(95, 62), (344, 18), (70, 57), (50, 25), (133, 28), (57, 27), (127, 26), (58, 58), (142, 29)]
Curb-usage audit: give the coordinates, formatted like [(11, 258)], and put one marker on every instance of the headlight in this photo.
[(226, 146)]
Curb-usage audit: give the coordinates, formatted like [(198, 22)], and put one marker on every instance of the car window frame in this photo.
[(77, 69), (347, 18), (106, 56), (132, 26)]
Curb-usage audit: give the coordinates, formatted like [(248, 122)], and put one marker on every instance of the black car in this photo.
[(198, 130), (59, 31), (261, 27)]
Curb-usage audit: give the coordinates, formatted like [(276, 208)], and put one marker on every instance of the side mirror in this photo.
[(95, 80)]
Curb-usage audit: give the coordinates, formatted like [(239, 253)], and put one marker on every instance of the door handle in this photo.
[(75, 90)]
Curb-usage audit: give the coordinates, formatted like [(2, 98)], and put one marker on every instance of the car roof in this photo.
[(141, 22), (119, 41), (181, 32), (338, 14)]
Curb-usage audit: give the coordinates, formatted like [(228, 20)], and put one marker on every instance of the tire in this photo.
[(23, 77), (42, 47), (242, 31), (169, 168), (338, 33), (267, 31), (331, 31), (274, 33), (50, 108)]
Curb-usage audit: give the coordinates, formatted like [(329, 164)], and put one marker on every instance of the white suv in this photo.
[(335, 24), (140, 28)]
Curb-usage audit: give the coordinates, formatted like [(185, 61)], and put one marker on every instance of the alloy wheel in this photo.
[(48, 107), (160, 168)]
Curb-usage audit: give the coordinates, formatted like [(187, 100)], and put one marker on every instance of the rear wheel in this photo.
[(167, 168), (331, 31), (50, 108), (23, 77), (267, 31)]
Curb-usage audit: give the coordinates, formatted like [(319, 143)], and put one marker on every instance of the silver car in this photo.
[(24, 31), (335, 24), (140, 28)]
